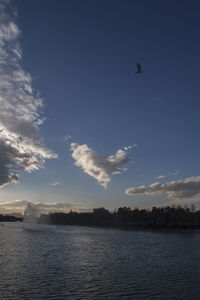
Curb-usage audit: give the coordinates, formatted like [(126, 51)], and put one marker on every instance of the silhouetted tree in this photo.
[(174, 217)]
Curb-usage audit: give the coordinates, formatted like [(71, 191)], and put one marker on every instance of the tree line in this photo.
[(175, 217), (8, 218)]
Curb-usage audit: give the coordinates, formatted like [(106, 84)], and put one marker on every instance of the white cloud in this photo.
[(96, 166), (21, 145), (178, 189), (161, 176), (55, 183)]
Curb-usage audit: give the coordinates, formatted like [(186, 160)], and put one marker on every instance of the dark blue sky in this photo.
[(82, 57)]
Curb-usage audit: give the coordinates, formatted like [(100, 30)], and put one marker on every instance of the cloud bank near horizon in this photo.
[(98, 167), (179, 189), (18, 206), (21, 145)]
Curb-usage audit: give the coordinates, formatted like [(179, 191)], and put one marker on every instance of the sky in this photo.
[(78, 126)]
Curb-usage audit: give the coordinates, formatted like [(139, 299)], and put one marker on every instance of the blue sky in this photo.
[(82, 58)]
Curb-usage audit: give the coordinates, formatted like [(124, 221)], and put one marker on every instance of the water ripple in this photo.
[(91, 263)]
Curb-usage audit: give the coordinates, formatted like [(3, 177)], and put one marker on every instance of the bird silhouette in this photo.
[(138, 69)]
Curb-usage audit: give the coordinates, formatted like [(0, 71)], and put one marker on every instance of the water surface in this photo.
[(63, 262)]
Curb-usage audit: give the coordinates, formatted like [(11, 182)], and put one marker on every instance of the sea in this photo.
[(71, 262)]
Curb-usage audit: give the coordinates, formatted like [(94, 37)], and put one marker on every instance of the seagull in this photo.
[(138, 69)]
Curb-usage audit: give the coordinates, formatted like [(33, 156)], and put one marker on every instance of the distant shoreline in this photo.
[(156, 219), (8, 218), (163, 219)]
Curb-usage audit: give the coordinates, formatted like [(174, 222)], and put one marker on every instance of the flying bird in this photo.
[(138, 69)]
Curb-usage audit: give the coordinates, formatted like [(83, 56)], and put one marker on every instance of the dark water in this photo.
[(89, 263)]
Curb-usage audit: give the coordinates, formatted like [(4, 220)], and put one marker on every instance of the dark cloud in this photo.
[(21, 145)]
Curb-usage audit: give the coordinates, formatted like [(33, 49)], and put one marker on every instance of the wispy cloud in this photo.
[(176, 173), (179, 189), (161, 176), (97, 166), (67, 138), (169, 174), (21, 145), (55, 183), (126, 148)]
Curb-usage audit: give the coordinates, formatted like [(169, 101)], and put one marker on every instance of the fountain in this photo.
[(31, 217)]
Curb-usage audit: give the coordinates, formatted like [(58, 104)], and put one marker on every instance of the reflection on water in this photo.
[(90, 263)]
